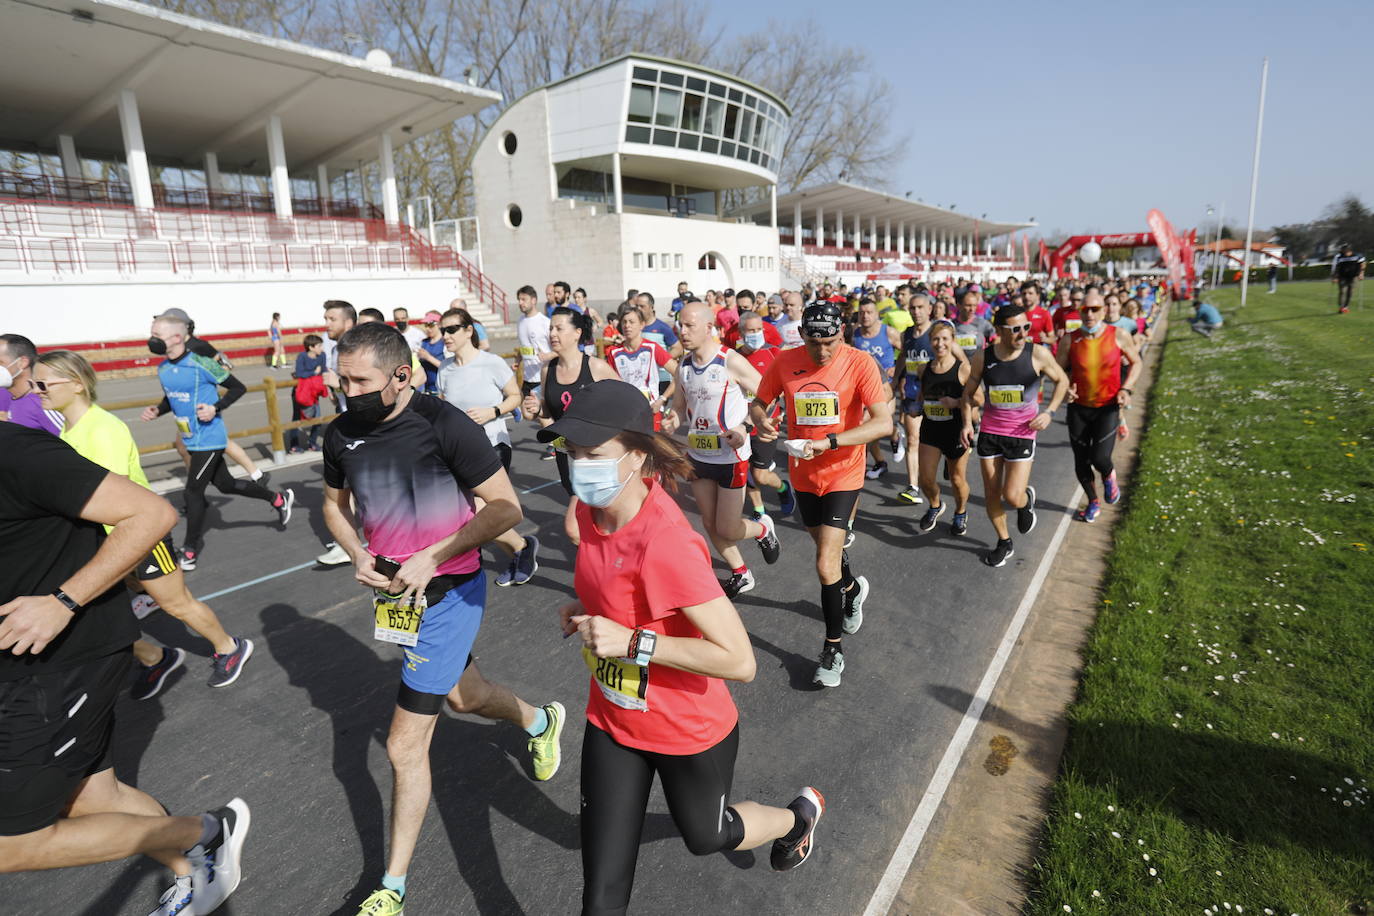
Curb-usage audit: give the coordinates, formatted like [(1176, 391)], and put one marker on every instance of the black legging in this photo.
[(1092, 433), (210, 468), (615, 791), (1343, 292)]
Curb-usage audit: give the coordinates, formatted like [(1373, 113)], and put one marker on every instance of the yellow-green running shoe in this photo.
[(383, 902), (544, 751)]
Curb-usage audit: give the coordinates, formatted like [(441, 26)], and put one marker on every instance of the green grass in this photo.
[(1224, 725)]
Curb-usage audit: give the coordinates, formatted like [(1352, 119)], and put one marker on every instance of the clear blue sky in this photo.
[(1101, 111)]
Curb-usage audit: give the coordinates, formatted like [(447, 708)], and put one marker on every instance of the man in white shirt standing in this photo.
[(410, 332)]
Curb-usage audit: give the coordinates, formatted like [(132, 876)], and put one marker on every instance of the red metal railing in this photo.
[(19, 186)]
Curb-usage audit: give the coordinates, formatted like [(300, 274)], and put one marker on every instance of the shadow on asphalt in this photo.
[(1266, 793)]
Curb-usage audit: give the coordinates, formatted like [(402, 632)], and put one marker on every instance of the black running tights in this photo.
[(1092, 433), (210, 468), (615, 792)]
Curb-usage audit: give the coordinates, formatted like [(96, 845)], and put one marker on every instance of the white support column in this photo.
[(797, 227), (858, 231), (820, 227), (71, 163), (135, 156), (390, 206), (322, 185), (887, 235), (773, 204), (924, 241), (618, 188), (839, 228), (276, 159), (901, 239), (213, 182)]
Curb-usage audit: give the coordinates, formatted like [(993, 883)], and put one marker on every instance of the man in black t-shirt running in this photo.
[(1346, 270), (65, 638)]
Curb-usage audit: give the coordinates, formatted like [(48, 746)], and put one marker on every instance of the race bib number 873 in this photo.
[(817, 408)]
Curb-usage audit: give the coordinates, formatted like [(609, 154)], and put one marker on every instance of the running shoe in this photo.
[(143, 605), (508, 574), (769, 543), (932, 515), (878, 470), (854, 614), (787, 499), (911, 495), (288, 499), (226, 668), (831, 667), (334, 556), (1088, 514), (899, 449), (527, 560), (999, 555), (189, 558), (544, 750), (1025, 516), (150, 678), (1344, 310), (848, 538), (216, 867), (1111, 489), (739, 583), (176, 899), (383, 902), (809, 805), (548, 454), (958, 526)]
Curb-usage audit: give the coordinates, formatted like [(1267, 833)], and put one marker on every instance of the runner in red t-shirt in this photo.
[(753, 346), (637, 360), (659, 639), (826, 386), (1042, 324)]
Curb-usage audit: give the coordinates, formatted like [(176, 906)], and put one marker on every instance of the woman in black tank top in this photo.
[(942, 429), (568, 331)]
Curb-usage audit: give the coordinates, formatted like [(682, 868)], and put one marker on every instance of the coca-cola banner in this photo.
[(1170, 251)]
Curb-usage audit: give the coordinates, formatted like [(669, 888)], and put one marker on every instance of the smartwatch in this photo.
[(644, 646), (67, 601), (834, 442)]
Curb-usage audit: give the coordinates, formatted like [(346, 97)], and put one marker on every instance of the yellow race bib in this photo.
[(1072, 324), (704, 442), (967, 341), (916, 366), (1005, 395), (816, 408), (527, 351), (184, 427), (934, 410), (395, 621), (622, 682)]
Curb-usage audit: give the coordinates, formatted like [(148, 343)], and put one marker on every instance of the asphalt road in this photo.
[(301, 735)]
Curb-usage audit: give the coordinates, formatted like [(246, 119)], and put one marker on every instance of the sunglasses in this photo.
[(454, 328), (1017, 328), (1094, 308), (1077, 299), (43, 386)]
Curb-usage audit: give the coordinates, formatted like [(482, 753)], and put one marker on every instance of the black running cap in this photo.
[(822, 319), (601, 411)]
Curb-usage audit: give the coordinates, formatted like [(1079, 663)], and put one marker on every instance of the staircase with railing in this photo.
[(801, 272)]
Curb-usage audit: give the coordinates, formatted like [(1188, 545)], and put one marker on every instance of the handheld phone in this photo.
[(386, 566)]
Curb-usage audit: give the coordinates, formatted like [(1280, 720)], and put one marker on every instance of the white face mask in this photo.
[(6, 378)]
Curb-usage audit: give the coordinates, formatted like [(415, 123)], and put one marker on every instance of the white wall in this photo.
[(75, 312), (587, 115)]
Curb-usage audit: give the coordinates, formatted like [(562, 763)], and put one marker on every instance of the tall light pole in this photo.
[(1216, 256), (1206, 231), (1254, 183)]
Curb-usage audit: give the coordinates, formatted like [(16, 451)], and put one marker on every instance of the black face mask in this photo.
[(402, 325), (157, 346), (370, 408)]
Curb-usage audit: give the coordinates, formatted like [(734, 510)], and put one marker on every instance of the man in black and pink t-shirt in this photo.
[(415, 465)]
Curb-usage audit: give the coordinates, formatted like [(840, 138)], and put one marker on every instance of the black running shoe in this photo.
[(1025, 516), (809, 805), (150, 678), (932, 515), (548, 454), (769, 543), (999, 555), (739, 583), (958, 526)]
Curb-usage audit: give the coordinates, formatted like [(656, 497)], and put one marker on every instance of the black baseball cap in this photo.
[(822, 319), (599, 412)]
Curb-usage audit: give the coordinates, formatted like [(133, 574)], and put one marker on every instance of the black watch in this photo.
[(834, 442), (67, 601)]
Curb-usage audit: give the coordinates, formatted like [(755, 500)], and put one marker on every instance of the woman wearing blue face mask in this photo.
[(660, 639)]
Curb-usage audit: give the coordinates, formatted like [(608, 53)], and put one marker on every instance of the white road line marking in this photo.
[(905, 853)]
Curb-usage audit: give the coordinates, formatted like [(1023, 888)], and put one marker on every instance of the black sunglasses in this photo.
[(454, 328), (43, 386), (1017, 328)]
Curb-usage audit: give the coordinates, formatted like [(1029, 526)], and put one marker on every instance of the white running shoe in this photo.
[(334, 556), (143, 605), (216, 870), (854, 618)]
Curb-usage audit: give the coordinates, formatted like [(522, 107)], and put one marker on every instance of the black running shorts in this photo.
[(162, 561), (1010, 448), (763, 455), (55, 729), (730, 476), (946, 435), (832, 509)]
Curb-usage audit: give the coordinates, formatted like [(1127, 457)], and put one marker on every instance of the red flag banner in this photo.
[(1169, 249)]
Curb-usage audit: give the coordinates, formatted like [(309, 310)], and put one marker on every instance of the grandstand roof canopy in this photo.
[(203, 87), (853, 200)]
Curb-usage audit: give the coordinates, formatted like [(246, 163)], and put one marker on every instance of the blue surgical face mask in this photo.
[(753, 340), (596, 481)]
